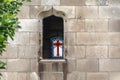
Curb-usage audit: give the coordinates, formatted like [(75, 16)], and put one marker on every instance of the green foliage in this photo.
[(8, 22)]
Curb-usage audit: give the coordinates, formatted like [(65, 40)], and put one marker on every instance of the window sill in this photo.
[(53, 60)]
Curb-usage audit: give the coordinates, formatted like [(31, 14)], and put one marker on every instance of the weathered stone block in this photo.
[(50, 2), (9, 76), (103, 2), (76, 76), (57, 67), (97, 76), (75, 52), (68, 10), (109, 12), (97, 52), (35, 39), (35, 2), (114, 75), (92, 38), (71, 52), (115, 11), (71, 65), (34, 65), (96, 25), (34, 76), (87, 12), (70, 38), (52, 76), (12, 76), (31, 25), (80, 52), (114, 38), (72, 2), (27, 52), (109, 65), (114, 25), (47, 67), (22, 76), (75, 25), (36, 10), (91, 2), (114, 2), (18, 65), (11, 52), (104, 12), (87, 65), (24, 12), (84, 2), (114, 51), (20, 38)]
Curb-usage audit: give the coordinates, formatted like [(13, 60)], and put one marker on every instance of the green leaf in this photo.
[(1, 1), (2, 38), (2, 65)]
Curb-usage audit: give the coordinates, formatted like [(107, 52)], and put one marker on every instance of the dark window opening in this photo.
[(53, 29)]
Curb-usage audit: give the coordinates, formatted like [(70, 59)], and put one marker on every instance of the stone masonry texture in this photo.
[(92, 41)]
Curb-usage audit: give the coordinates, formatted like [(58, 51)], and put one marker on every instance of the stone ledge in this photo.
[(52, 60)]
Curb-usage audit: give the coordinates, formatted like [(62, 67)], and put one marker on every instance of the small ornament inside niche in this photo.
[(57, 47)]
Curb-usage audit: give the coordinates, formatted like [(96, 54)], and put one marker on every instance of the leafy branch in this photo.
[(8, 22)]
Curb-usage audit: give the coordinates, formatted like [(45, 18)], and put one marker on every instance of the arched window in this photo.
[(53, 38)]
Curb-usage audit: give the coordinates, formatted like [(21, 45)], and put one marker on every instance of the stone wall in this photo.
[(92, 40)]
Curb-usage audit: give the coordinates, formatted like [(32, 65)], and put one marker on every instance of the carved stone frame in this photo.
[(47, 13)]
